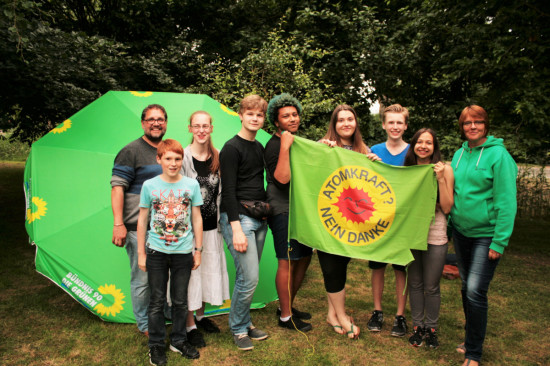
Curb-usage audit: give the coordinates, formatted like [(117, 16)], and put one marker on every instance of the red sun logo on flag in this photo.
[(355, 205)]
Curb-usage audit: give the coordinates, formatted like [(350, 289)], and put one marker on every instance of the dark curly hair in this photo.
[(280, 101)]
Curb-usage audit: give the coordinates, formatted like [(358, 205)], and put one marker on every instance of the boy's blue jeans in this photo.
[(247, 268), (476, 272), (159, 267)]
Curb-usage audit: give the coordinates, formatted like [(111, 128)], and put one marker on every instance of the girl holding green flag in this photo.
[(425, 271)]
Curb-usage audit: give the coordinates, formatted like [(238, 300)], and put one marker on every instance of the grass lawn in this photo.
[(42, 325)]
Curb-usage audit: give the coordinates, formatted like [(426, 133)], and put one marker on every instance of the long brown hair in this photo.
[(358, 144), (215, 164), (410, 158)]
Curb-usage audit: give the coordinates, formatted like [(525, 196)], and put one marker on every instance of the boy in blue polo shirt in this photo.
[(395, 121), (172, 202)]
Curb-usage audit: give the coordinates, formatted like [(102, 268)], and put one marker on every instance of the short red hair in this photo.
[(475, 112), (169, 145)]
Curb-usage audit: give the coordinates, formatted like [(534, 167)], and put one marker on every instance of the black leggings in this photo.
[(334, 269)]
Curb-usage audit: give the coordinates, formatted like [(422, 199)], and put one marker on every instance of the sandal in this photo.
[(461, 348), (336, 328), (355, 336)]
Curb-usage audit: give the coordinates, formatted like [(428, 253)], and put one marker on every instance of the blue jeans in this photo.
[(159, 267), (476, 272), (247, 269), (139, 287)]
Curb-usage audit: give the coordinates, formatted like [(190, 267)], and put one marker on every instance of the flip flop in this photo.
[(461, 348), (336, 327), (355, 336)]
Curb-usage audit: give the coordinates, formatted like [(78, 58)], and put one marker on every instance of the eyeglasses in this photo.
[(475, 123), (151, 121), (201, 127)]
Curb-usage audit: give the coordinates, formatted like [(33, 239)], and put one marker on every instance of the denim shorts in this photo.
[(279, 228)]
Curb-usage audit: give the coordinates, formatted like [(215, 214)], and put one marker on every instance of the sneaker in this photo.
[(297, 314), (399, 326), (157, 355), (256, 334), (417, 338), (431, 338), (376, 321), (186, 350), (207, 325), (243, 342), (296, 325), (196, 339)]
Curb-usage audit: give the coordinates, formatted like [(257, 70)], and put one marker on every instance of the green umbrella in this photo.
[(68, 196)]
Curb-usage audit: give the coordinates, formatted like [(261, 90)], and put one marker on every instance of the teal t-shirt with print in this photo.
[(170, 227)]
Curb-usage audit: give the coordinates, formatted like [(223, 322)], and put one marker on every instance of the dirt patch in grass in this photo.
[(533, 261)]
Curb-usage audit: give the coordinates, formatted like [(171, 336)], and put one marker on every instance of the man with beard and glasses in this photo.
[(134, 164)]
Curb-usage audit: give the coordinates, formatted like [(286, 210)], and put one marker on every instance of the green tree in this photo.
[(276, 67), (441, 56), (56, 69), (434, 57)]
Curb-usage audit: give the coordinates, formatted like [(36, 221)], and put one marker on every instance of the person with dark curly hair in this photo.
[(293, 257)]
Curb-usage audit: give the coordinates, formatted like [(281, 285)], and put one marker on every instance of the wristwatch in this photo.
[(198, 249)]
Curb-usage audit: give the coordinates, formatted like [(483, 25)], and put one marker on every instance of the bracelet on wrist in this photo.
[(119, 225)]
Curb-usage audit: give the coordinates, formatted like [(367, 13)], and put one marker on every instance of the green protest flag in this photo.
[(345, 204), (68, 197)]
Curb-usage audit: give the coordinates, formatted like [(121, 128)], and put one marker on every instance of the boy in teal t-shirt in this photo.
[(173, 203)]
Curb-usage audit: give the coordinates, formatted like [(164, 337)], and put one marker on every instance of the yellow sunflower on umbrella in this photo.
[(40, 210), (141, 94), (118, 297), (62, 127)]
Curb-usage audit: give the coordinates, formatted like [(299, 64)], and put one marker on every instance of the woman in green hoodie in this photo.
[(482, 217)]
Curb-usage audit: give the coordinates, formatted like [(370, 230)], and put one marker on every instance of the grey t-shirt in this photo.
[(134, 164)]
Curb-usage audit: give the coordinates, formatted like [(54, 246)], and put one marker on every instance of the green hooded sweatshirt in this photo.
[(485, 192)]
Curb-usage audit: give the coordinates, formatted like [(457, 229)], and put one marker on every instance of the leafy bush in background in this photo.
[(12, 149), (533, 193)]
